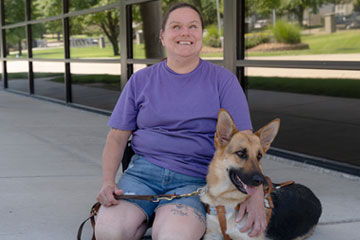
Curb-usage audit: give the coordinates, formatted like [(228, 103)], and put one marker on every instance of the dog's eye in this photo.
[(242, 154), (259, 156)]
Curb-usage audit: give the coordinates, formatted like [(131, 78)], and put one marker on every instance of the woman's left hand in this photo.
[(254, 207)]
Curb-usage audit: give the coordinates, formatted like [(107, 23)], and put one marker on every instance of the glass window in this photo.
[(18, 75), (138, 32), (48, 40), (96, 85), (45, 8), (16, 46), (319, 114), (283, 30), (15, 11), (95, 35), (49, 79)]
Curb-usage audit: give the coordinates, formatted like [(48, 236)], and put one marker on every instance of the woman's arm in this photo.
[(112, 155), (254, 207)]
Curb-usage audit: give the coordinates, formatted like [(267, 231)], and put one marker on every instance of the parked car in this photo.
[(352, 21), (260, 23)]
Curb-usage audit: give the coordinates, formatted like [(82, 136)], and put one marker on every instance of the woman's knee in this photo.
[(114, 222), (177, 222), (105, 231)]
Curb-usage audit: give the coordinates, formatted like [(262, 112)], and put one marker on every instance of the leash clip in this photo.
[(158, 198)]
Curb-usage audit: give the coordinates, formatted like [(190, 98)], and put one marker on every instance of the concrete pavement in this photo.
[(50, 174), (115, 69)]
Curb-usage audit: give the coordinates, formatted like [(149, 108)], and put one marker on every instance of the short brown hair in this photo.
[(177, 6)]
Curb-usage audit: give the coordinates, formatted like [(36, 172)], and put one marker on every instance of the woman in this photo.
[(170, 109)]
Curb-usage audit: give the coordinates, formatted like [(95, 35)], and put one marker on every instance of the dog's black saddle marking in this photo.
[(296, 211)]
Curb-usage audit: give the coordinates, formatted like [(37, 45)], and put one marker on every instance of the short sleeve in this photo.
[(233, 100), (125, 112)]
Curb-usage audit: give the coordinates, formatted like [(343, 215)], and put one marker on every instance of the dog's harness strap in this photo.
[(267, 198), (220, 210)]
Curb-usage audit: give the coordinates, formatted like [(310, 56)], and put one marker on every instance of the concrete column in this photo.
[(330, 23)]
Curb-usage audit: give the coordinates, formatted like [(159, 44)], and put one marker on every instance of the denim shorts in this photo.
[(145, 178)]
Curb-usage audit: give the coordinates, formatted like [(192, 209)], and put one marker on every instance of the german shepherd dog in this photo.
[(234, 174)]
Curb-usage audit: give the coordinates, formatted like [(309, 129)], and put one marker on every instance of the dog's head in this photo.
[(238, 155)]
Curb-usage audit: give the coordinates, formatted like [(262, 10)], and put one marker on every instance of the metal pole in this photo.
[(3, 44), (29, 47), (230, 35), (274, 16), (67, 73)]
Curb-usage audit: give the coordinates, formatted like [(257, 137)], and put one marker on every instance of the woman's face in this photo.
[(182, 36)]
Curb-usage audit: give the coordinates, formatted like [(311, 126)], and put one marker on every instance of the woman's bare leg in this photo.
[(178, 222), (120, 222)]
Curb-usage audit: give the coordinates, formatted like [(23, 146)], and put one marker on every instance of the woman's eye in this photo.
[(176, 27), (193, 27)]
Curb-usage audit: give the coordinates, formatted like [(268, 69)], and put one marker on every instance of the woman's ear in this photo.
[(162, 37)]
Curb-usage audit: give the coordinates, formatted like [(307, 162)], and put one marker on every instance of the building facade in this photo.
[(81, 53)]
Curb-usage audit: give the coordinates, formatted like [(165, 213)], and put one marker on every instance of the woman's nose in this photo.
[(184, 31)]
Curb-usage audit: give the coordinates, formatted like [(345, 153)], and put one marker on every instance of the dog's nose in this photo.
[(258, 179)]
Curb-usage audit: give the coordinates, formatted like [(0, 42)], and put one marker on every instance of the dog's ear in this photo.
[(268, 133), (225, 129)]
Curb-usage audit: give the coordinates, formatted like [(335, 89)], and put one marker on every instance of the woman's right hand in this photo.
[(106, 194)]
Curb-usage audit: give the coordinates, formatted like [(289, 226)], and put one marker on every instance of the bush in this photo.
[(212, 37), (286, 32), (253, 40)]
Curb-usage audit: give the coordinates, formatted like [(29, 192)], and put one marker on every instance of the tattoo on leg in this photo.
[(199, 216), (178, 212)]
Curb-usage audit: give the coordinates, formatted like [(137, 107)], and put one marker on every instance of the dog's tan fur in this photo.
[(221, 191)]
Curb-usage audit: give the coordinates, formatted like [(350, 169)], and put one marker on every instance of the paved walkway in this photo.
[(50, 174), (115, 69)]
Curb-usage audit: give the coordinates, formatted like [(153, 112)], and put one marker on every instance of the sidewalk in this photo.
[(50, 174)]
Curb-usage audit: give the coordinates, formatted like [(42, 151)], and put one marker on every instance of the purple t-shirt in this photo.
[(174, 116)]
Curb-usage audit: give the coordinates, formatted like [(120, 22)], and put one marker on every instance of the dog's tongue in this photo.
[(250, 190)]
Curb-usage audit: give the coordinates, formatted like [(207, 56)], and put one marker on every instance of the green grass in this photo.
[(100, 80), (84, 52), (335, 43), (24, 75), (349, 88), (339, 42)]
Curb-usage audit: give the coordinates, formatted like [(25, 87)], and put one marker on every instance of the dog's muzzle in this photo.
[(246, 183)]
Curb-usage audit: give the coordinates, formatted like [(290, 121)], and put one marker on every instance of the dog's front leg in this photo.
[(213, 230)]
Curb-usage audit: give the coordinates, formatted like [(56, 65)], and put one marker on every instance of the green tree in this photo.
[(15, 12), (207, 8), (48, 8), (357, 5), (297, 7), (105, 22), (261, 7)]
